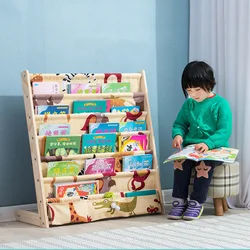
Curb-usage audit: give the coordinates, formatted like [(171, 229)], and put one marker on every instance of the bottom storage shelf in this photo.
[(75, 210)]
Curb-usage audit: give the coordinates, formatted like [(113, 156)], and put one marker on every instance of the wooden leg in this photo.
[(224, 204), (218, 206)]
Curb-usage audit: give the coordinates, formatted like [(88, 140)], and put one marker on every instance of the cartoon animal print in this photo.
[(105, 183), (37, 78), (107, 75), (68, 77), (113, 206), (94, 118), (131, 116), (75, 217), (138, 177)]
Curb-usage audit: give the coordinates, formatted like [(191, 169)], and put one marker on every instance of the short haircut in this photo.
[(197, 74)]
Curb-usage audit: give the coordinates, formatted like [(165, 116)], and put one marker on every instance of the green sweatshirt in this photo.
[(209, 121)]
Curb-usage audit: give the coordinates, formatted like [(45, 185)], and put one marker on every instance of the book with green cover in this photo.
[(62, 145), (63, 168), (116, 87), (218, 154), (98, 143)]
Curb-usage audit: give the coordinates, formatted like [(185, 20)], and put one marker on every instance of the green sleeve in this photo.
[(224, 127), (181, 124)]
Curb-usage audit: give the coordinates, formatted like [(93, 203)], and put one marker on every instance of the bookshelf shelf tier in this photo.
[(134, 193)]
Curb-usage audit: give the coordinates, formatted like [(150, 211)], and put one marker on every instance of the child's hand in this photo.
[(177, 141), (201, 147)]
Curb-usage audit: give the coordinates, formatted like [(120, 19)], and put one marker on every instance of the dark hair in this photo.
[(197, 74)]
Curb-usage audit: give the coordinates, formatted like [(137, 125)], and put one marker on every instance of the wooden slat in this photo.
[(30, 218), (89, 177), (144, 89), (34, 147), (77, 121)]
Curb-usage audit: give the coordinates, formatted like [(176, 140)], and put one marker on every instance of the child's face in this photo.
[(198, 94)]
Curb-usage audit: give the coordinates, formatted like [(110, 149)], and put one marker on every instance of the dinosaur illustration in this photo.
[(128, 207)]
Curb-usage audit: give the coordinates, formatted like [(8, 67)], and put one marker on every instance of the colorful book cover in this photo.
[(62, 145), (99, 165), (84, 188), (46, 87), (133, 143), (63, 168), (51, 109), (218, 154), (54, 129), (131, 109), (116, 87), (137, 162), (98, 143), (132, 126), (84, 88), (109, 127), (84, 106)]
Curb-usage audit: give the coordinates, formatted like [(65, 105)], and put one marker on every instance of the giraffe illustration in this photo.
[(75, 217)]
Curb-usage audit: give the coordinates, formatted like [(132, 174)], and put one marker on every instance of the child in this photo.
[(205, 120)]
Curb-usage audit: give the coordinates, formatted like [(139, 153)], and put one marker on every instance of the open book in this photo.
[(218, 154)]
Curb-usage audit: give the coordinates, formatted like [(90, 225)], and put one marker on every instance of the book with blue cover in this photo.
[(51, 109), (136, 162), (98, 143), (109, 127), (131, 109), (93, 106), (132, 126)]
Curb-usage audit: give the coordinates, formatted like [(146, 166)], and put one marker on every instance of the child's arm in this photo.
[(181, 124), (224, 127)]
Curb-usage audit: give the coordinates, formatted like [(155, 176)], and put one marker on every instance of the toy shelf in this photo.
[(143, 186)]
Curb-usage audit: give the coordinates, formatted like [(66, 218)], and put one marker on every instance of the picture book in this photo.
[(116, 87), (54, 129), (131, 109), (63, 168), (99, 165), (51, 109), (137, 162), (98, 143), (219, 154), (132, 126), (84, 88), (46, 87), (85, 106), (62, 145), (132, 143), (84, 188), (109, 127)]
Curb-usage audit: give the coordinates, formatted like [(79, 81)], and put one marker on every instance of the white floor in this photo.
[(16, 231)]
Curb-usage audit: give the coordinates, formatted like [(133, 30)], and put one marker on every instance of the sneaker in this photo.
[(177, 210), (194, 210)]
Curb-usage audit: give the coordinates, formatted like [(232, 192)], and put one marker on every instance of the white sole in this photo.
[(174, 217)]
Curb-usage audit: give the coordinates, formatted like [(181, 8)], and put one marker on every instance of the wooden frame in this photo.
[(41, 217)]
